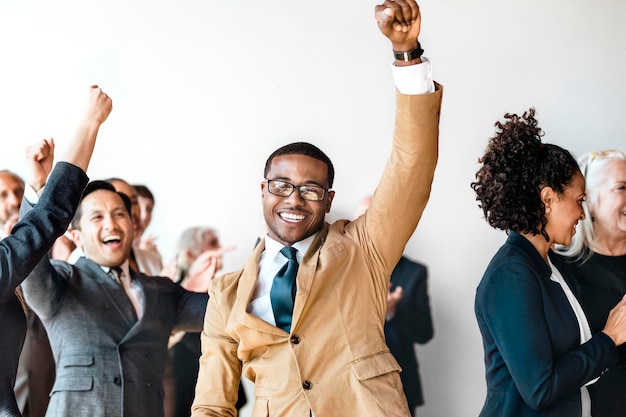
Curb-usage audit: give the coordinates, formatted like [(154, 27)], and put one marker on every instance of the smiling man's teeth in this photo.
[(291, 217), (111, 238)]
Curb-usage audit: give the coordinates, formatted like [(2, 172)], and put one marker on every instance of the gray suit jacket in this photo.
[(108, 363)]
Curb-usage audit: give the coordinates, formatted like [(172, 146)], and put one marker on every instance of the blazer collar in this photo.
[(304, 280), (113, 291), (530, 253)]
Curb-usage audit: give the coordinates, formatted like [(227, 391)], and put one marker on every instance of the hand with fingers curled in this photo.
[(100, 105), (615, 326), (400, 21), (39, 161)]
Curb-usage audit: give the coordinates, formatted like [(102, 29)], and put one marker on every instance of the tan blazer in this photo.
[(335, 361)]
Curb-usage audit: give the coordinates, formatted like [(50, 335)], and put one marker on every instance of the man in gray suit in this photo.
[(108, 324)]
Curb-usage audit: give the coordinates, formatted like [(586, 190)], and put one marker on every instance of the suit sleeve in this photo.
[(404, 188), (192, 306), (39, 226)]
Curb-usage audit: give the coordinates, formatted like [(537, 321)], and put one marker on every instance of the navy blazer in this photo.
[(31, 238), (535, 364), (108, 363), (411, 324)]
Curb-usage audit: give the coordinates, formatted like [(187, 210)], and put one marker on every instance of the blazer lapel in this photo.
[(245, 291), (150, 296), (306, 275), (111, 289)]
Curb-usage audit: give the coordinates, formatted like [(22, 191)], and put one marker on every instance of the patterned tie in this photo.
[(283, 290), (131, 293)]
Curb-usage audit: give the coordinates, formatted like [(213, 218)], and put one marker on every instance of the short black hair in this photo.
[(302, 148), (95, 186), (143, 191)]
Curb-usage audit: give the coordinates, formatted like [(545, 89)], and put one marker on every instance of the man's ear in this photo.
[(77, 237), (329, 203)]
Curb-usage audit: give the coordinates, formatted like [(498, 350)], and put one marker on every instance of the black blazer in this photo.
[(535, 364), (411, 324), (31, 238)]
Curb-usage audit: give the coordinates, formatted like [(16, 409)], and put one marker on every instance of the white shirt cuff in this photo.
[(414, 79), (31, 195)]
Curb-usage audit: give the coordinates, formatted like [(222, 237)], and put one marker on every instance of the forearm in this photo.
[(81, 148), (82, 144)]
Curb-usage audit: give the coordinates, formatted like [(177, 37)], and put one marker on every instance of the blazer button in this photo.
[(295, 339), (117, 380), (307, 385)]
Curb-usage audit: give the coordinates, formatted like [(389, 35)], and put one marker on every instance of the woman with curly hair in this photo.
[(539, 351)]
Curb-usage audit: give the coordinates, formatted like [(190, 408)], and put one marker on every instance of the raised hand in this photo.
[(400, 21), (39, 160)]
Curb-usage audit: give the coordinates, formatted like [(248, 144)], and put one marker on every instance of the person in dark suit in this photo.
[(198, 258), (540, 353), (108, 325), (35, 233), (408, 321), (411, 324)]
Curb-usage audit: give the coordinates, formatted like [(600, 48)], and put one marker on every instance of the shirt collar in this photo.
[(272, 247), (125, 268)]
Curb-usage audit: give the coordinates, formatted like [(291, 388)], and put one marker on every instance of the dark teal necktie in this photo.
[(283, 290)]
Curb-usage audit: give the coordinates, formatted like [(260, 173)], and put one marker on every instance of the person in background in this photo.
[(145, 200), (595, 264), (33, 235), (540, 354), (11, 193), (408, 320), (303, 319), (198, 258), (147, 261)]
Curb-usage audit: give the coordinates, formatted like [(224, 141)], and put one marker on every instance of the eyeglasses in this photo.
[(306, 192), (593, 155)]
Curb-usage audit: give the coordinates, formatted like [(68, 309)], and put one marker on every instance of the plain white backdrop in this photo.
[(203, 91)]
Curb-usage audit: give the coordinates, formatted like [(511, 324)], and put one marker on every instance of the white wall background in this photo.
[(203, 91)]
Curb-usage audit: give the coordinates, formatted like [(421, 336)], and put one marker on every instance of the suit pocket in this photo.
[(73, 383), (375, 365), (74, 373), (260, 408), (68, 361)]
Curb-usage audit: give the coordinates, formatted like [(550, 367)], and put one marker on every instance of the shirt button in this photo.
[(295, 339), (117, 380), (307, 385)]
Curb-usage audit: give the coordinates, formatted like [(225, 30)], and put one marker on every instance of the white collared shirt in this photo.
[(134, 292), (585, 332), (270, 263)]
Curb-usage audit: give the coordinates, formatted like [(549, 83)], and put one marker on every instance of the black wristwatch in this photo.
[(410, 55)]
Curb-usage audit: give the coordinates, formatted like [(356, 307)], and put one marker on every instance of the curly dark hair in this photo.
[(515, 168)]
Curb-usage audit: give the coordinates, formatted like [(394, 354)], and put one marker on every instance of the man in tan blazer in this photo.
[(332, 360)]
